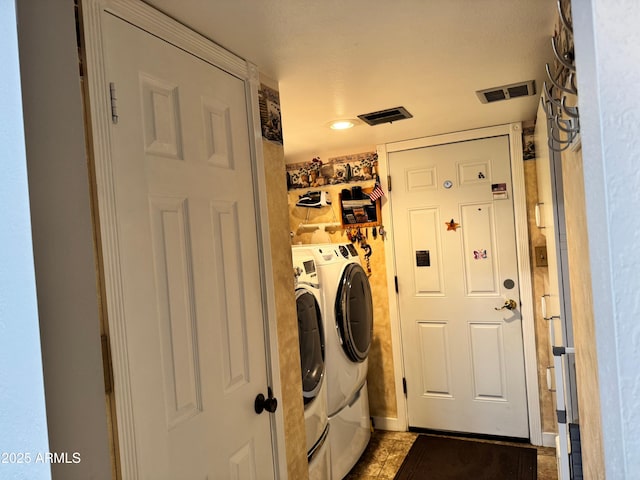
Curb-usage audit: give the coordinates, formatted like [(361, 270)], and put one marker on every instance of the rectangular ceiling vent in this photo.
[(506, 92), (385, 116)]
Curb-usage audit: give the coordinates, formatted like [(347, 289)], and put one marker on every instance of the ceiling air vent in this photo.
[(506, 92), (385, 116)]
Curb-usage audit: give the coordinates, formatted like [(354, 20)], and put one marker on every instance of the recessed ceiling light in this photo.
[(342, 124)]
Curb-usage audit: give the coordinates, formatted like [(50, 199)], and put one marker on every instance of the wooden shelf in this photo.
[(360, 212)]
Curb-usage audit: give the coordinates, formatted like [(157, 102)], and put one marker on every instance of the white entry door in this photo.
[(455, 253), (186, 232)]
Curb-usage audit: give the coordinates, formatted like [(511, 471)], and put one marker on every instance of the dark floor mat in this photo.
[(441, 458)]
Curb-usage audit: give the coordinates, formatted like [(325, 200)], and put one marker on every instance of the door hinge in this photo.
[(114, 109), (395, 281), (404, 386), (107, 366), (562, 416), (388, 183)]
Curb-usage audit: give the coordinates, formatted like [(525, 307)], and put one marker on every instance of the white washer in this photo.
[(348, 319), (312, 359)]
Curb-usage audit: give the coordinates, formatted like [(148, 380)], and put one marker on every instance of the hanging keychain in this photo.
[(367, 254)]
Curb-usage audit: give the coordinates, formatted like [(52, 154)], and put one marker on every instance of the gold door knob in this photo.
[(509, 305)]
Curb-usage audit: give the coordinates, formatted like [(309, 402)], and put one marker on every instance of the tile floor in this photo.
[(386, 451)]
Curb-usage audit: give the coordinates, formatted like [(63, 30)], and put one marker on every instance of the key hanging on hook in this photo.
[(367, 255)]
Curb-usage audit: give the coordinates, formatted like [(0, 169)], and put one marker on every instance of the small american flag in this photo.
[(377, 191)]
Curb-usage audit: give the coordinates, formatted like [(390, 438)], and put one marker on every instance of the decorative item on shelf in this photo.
[(563, 117), (306, 175), (314, 172), (347, 172), (337, 170), (365, 169)]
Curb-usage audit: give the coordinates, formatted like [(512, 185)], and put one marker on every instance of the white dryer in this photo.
[(312, 361), (348, 318)]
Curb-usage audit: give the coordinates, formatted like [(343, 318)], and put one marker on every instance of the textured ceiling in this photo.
[(334, 59)]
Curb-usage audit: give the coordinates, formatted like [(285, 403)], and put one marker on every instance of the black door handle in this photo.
[(270, 403)]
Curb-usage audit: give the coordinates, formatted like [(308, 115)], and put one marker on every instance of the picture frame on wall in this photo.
[(270, 117)]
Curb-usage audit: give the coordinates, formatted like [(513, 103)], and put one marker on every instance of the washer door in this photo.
[(311, 339), (354, 312)]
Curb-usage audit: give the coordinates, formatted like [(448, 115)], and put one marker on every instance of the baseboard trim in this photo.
[(394, 425), (549, 439), (388, 423)]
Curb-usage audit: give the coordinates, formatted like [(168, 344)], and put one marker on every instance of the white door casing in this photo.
[(182, 244), (513, 133)]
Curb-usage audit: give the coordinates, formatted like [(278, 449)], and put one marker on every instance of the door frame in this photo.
[(514, 131), (100, 116)]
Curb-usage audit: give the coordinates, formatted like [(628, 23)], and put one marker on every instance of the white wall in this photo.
[(607, 53), (22, 408), (63, 238)]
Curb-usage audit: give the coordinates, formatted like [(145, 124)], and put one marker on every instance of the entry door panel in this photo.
[(456, 261), (186, 221)]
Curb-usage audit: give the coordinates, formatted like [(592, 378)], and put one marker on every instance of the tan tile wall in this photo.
[(288, 346), (539, 274)]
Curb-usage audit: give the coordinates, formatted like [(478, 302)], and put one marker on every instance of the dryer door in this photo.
[(311, 339), (354, 312)]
